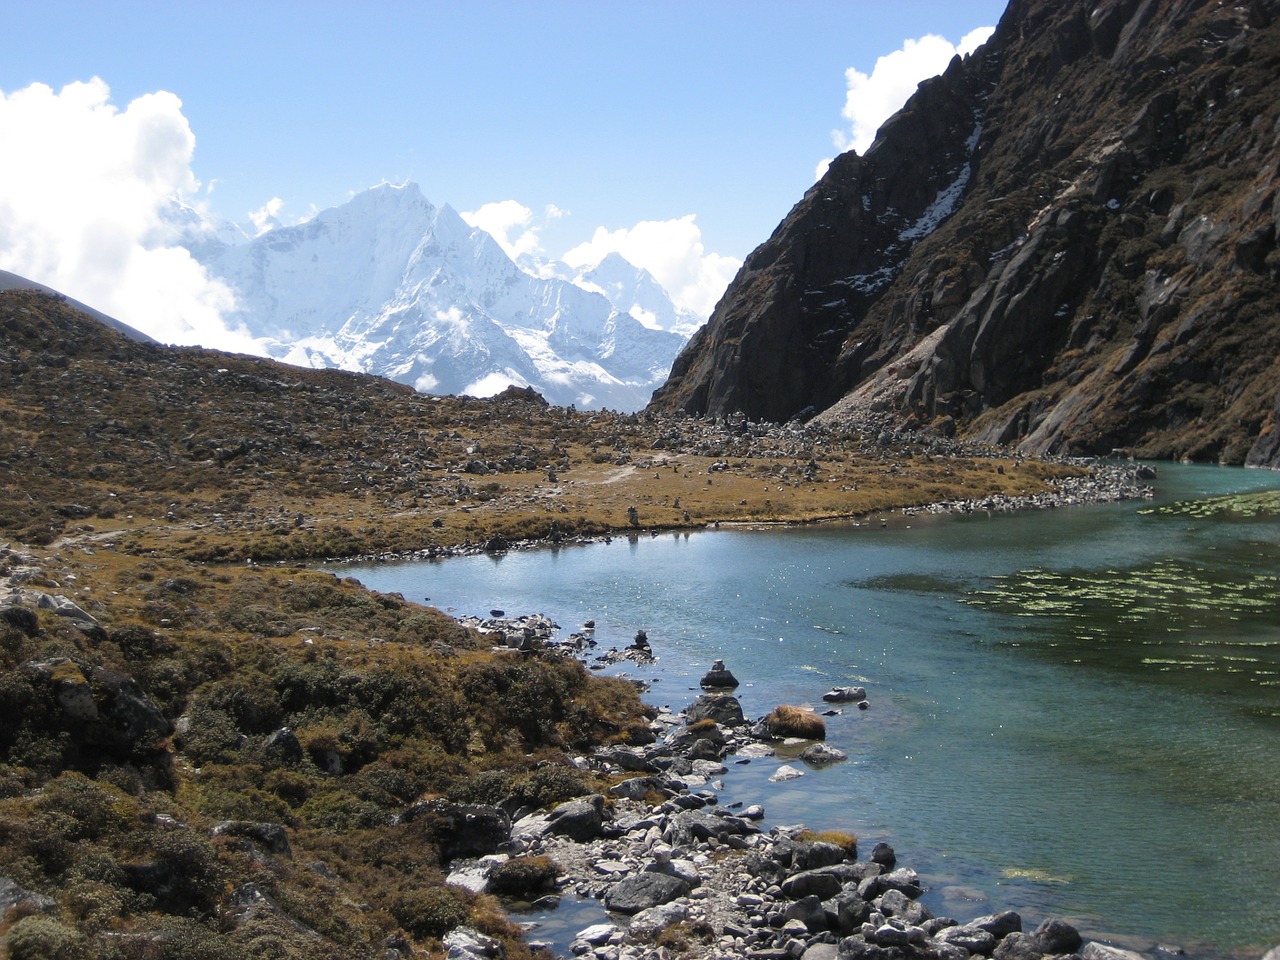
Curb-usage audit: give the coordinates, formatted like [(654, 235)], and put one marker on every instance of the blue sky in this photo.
[(601, 113)]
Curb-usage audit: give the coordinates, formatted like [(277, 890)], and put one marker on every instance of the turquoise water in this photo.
[(1074, 712)]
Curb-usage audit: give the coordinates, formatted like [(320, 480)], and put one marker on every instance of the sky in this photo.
[(676, 133)]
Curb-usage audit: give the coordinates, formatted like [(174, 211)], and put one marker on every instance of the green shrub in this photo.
[(43, 938), (340, 811), (550, 785), (489, 787), (429, 911), (524, 877)]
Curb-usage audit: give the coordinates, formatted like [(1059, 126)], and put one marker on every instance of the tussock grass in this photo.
[(788, 721)]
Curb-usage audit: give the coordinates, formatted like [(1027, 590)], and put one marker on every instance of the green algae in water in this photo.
[(1232, 506), (1170, 621)]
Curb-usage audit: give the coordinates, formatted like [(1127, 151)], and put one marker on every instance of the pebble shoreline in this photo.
[(683, 876)]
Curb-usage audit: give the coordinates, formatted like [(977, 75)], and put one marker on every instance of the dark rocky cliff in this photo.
[(1067, 242)]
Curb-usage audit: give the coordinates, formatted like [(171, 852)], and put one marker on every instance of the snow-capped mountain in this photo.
[(634, 290), (390, 284)]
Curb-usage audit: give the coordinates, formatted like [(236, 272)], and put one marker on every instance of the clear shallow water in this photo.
[(1074, 712)]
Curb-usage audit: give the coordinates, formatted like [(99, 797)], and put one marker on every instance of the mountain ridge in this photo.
[(1107, 280), (391, 284)]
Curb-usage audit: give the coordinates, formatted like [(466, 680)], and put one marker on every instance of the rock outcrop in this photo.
[(1067, 241)]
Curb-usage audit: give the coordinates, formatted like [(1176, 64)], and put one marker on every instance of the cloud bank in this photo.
[(673, 252), (871, 99), (83, 191)]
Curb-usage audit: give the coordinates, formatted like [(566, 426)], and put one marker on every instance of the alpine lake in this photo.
[(1074, 712)]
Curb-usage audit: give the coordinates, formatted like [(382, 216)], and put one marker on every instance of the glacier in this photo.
[(390, 284)]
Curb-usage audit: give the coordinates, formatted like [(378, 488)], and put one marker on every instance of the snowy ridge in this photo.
[(390, 284)]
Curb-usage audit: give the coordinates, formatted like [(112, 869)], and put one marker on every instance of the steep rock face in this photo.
[(1066, 242)]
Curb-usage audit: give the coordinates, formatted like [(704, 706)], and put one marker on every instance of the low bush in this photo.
[(789, 721), (429, 912), (524, 877)]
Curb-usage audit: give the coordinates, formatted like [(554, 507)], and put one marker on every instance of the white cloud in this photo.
[(511, 224), (266, 217), (873, 99), (673, 252), (83, 186)]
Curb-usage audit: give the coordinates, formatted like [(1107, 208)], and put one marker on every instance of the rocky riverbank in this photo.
[(682, 875)]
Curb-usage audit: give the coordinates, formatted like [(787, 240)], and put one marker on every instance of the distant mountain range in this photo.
[(390, 284)]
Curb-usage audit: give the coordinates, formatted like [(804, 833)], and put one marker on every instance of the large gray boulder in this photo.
[(723, 708), (644, 891), (580, 820)]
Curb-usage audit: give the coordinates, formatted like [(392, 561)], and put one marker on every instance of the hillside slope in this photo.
[(1066, 242)]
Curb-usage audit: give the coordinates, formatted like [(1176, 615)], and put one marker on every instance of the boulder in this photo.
[(809, 911), (1019, 946), (845, 695), (1101, 951), (723, 708), (819, 754), (999, 924), (822, 883), (811, 854), (656, 919), (12, 895), (1057, 936), (644, 891), (466, 943), (463, 829), (282, 747), (719, 676), (580, 820), (272, 837), (968, 937)]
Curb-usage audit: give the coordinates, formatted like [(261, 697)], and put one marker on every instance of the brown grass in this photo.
[(789, 721)]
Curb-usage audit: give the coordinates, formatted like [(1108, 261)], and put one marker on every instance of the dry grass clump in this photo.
[(847, 841), (789, 721)]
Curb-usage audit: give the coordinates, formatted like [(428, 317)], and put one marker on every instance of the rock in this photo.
[(1057, 936), (597, 934), (785, 773), (811, 854), (580, 820), (808, 910), (1019, 946), (719, 676), (819, 754), (883, 853), (723, 708), (998, 924), (282, 747), (821, 951), (64, 607), (1101, 951), (12, 895), (272, 837), (643, 891), (822, 883), (248, 902), (462, 829), (108, 708), (465, 943), (656, 919), (845, 695), (971, 938), (634, 789)]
